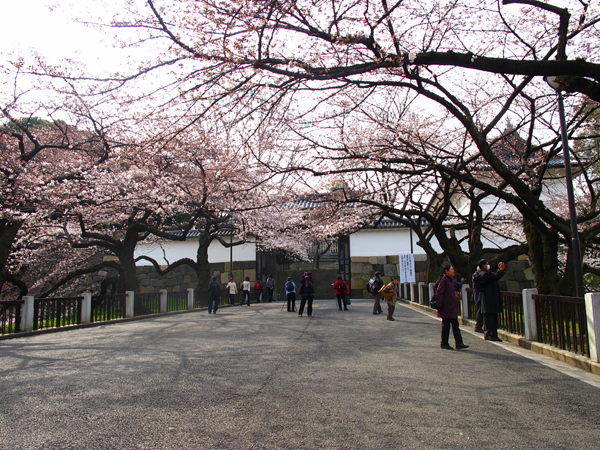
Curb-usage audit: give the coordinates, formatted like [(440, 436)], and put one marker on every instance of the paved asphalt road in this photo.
[(258, 378)]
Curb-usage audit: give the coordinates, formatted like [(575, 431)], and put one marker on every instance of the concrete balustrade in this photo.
[(592, 311), (529, 318)]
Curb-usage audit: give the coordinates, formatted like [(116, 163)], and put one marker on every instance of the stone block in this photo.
[(103, 273), (154, 282), (177, 288), (224, 278), (509, 276), (382, 260), (226, 267), (372, 260), (386, 280), (394, 259), (520, 276), (145, 282), (238, 276), (523, 257), (514, 266), (513, 286), (390, 270), (250, 273), (217, 274), (529, 274), (359, 281), (187, 280), (151, 290), (356, 267), (420, 257), (359, 259), (142, 276)]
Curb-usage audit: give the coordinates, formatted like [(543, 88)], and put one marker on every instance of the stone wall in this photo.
[(519, 275), (184, 277)]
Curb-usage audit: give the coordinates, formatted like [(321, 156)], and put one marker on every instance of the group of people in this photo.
[(214, 292), (306, 291), (486, 294)]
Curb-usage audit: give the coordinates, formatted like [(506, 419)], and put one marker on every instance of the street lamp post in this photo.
[(575, 246)]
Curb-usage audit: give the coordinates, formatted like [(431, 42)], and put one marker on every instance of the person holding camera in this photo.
[(491, 304)]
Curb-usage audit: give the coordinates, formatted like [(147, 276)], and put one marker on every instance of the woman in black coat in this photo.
[(491, 304), (446, 297)]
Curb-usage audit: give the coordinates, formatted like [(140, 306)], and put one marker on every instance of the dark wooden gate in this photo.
[(344, 259)]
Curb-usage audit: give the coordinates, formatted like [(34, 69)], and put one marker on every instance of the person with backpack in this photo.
[(246, 291), (390, 296), (258, 290), (308, 293), (290, 293), (214, 295), (491, 304), (341, 289), (373, 287), (270, 287), (448, 308)]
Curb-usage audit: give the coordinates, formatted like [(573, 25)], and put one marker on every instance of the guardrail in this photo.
[(56, 312), (511, 318), (10, 316), (33, 313), (562, 322)]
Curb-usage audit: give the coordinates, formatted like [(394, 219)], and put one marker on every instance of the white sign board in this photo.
[(406, 268)]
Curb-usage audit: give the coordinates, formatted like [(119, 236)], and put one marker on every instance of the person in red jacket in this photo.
[(341, 289), (446, 296)]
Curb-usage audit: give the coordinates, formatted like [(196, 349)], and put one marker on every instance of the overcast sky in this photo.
[(50, 28)]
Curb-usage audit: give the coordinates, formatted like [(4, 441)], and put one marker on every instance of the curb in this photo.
[(572, 359)]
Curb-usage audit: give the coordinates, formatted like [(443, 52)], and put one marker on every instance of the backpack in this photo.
[(371, 286), (341, 287), (289, 286), (434, 303), (308, 286), (214, 288), (270, 283), (257, 286)]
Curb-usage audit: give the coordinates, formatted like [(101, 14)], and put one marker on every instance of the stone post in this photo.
[(86, 307), (190, 304), (413, 298), (592, 311), (27, 313), (406, 290), (421, 299), (163, 301), (529, 315), (129, 302), (431, 291), (465, 301)]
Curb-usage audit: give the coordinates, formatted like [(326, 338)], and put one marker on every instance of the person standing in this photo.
[(377, 285), (270, 287), (477, 300), (290, 293), (246, 291), (491, 304), (446, 297), (390, 296), (308, 294), (341, 289), (258, 291), (232, 289), (214, 295)]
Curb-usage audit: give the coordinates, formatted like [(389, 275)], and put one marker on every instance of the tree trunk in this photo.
[(128, 280), (203, 267), (8, 233), (543, 254)]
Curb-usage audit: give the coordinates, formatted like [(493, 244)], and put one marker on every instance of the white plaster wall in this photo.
[(175, 250), (385, 242)]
